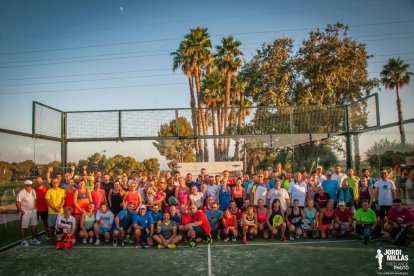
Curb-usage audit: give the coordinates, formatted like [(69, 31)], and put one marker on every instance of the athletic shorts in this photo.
[(51, 220), (323, 226), (103, 230), (383, 212), (200, 233), (29, 218), (42, 215)]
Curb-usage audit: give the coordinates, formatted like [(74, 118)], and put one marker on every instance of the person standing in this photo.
[(338, 175), (55, 198), (297, 190), (26, 205), (41, 204), (385, 193), (330, 186)]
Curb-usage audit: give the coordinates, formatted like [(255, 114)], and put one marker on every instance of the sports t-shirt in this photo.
[(144, 221), (298, 192), (107, 217), (197, 199), (385, 188), (368, 217), (125, 218), (321, 199), (41, 204), (353, 184), (331, 187), (200, 216), (339, 177), (280, 194), (260, 192), (56, 196), (213, 190), (186, 219), (68, 222), (401, 217), (156, 216), (213, 218), (27, 199), (167, 228), (229, 221), (343, 216), (238, 213), (98, 197)]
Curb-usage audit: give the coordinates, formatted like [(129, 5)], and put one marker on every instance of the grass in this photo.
[(342, 257)]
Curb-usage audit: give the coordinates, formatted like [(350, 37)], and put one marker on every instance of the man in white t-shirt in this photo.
[(338, 175), (259, 191), (213, 188), (319, 173), (297, 190), (26, 205), (279, 193), (385, 193), (65, 225)]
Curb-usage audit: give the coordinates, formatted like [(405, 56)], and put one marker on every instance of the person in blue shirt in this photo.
[(214, 216), (143, 227), (330, 186), (371, 181), (122, 225), (174, 215), (189, 180), (155, 213)]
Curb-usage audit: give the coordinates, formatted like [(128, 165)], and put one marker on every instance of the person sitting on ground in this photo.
[(143, 228), (229, 222), (166, 236), (185, 218), (294, 220), (122, 226), (214, 215), (249, 223), (276, 220), (66, 225), (86, 224), (310, 220), (103, 225), (367, 225), (237, 212), (343, 219), (400, 222), (326, 219), (199, 227)]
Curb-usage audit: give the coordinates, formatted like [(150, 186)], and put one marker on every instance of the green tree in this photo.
[(151, 165), (176, 150), (396, 75)]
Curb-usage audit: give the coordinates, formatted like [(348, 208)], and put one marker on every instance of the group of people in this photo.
[(148, 210)]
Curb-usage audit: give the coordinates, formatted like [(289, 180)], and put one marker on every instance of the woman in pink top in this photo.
[(98, 195), (182, 192), (261, 219), (238, 193)]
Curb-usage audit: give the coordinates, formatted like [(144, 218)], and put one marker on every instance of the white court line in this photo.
[(283, 244), (209, 259)]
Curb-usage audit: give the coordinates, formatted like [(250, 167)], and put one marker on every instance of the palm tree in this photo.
[(228, 59), (199, 45), (396, 75), (213, 95)]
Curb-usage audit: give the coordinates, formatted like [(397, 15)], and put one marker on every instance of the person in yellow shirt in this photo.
[(55, 199), (353, 181)]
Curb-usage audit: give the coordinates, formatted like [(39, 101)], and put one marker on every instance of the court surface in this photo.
[(340, 257)]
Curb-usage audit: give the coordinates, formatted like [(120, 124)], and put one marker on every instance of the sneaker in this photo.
[(209, 239), (172, 246), (97, 242), (192, 244), (127, 240), (226, 239), (144, 245), (91, 240), (84, 241), (291, 238), (106, 241), (233, 239), (35, 242), (244, 241), (122, 243), (24, 244), (115, 243), (283, 239), (160, 246), (137, 245), (218, 238), (297, 237)]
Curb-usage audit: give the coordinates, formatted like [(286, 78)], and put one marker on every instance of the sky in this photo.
[(115, 54)]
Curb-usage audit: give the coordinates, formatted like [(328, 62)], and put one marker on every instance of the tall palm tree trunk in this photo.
[(400, 116), (220, 132), (200, 114), (193, 113), (205, 132), (213, 122)]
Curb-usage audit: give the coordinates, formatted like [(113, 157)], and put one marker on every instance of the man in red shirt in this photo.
[(343, 219), (400, 222), (199, 228), (321, 198), (41, 204), (186, 219)]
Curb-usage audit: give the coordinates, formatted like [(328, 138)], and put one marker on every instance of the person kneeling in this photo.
[(367, 225), (65, 227)]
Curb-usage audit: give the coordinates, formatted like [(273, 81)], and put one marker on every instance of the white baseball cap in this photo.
[(28, 182)]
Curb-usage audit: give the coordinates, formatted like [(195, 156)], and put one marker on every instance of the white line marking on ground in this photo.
[(209, 259), (283, 244)]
